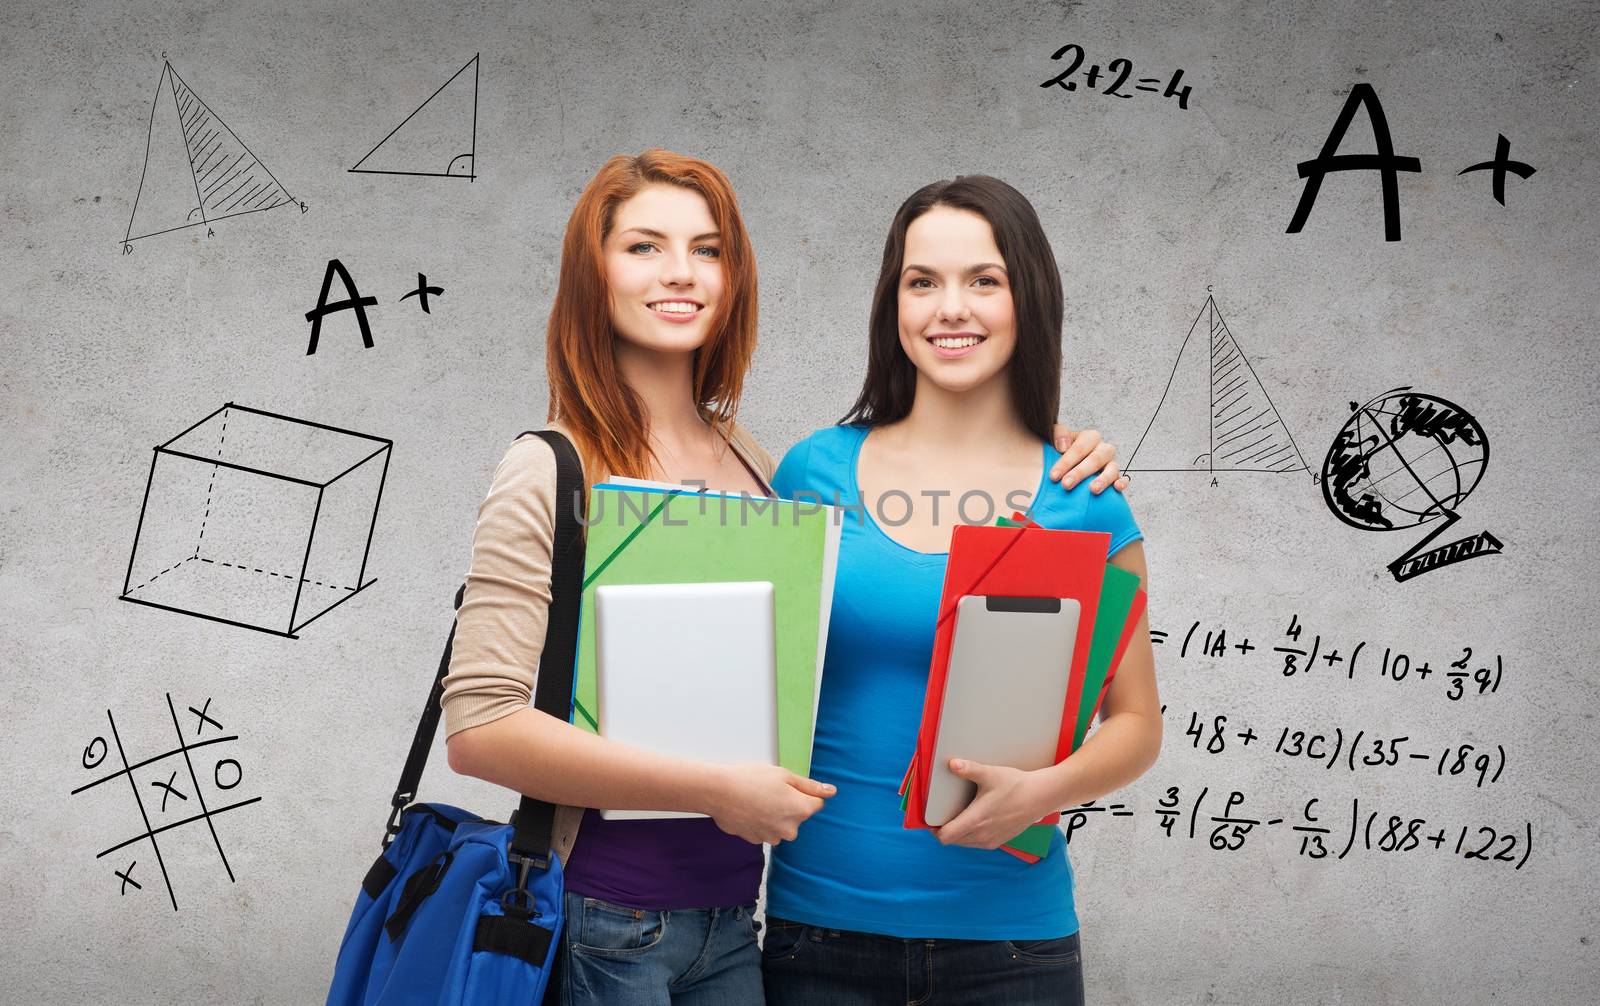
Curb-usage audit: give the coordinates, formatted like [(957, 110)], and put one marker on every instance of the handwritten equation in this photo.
[(1325, 747), (1462, 677), (1229, 828), (1121, 69), (1227, 820), (163, 784)]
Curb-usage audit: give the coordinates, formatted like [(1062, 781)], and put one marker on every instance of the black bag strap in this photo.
[(534, 820)]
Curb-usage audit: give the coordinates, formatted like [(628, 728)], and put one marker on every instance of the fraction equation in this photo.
[(1117, 73), (1462, 677), (1337, 747), (163, 785), (1228, 829)]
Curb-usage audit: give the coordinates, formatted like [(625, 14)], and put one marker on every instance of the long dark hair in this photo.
[(1035, 367)]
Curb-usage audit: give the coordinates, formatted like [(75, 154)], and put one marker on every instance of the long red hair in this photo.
[(587, 392)]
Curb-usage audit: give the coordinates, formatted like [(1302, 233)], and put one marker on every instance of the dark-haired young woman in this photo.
[(651, 333), (962, 383)]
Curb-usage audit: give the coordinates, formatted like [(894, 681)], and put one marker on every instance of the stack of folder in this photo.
[(1018, 558), (635, 537)]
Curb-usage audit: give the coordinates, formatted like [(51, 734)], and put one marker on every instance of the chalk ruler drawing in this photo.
[(257, 520), (439, 139), (169, 792), (1214, 415), (196, 168)]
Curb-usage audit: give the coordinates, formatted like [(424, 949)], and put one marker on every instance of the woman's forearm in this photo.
[(1121, 750), (538, 755)]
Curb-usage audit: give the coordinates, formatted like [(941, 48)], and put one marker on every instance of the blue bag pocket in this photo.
[(439, 919)]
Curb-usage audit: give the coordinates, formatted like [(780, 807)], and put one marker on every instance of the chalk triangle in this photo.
[(439, 138), (1246, 431), (1214, 414), (196, 169), (166, 198)]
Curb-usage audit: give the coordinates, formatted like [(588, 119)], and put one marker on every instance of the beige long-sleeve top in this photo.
[(501, 625)]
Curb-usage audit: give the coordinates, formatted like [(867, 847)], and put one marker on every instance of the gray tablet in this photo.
[(687, 670), (1005, 691)]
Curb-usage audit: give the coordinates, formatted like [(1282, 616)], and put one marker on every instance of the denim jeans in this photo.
[(815, 966), (611, 954)]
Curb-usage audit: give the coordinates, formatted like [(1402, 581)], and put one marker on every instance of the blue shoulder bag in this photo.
[(459, 910)]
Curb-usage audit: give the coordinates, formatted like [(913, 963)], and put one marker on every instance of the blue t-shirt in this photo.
[(853, 865)]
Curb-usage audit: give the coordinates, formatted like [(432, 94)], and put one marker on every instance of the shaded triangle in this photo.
[(439, 138), (166, 199), (1246, 431), (230, 179)]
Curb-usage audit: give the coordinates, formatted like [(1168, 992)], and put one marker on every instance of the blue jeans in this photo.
[(815, 966), (635, 957)]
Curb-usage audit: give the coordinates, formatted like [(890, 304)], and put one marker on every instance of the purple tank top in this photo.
[(673, 863)]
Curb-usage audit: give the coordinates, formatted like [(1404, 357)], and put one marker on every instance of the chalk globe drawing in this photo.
[(1402, 460)]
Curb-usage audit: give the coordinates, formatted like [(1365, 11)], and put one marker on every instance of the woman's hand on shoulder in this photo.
[(1084, 454), (765, 804)]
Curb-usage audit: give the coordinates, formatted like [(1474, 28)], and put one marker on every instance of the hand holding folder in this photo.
[(1021, 559)]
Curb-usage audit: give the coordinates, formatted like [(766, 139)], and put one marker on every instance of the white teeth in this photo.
[(961, 343), (676, 306)]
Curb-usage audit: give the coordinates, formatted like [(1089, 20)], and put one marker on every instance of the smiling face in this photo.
[(957, 320), (663, 269)]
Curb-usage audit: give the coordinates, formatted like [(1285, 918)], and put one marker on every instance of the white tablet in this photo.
[(687, 670), (1005, 692)]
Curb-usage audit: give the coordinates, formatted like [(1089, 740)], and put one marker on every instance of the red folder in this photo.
[(1131, 622), (1025, 561)]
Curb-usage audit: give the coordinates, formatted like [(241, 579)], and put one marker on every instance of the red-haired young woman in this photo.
[(650, 336)]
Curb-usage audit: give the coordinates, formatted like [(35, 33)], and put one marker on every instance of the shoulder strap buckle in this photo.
[(398, 806)]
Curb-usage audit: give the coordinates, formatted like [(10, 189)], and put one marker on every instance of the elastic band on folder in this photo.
[(944, 616), (576, 705)]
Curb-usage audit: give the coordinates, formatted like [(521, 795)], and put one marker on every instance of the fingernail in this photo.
[(958, 765), (828, 787), (1061, 443), (1070, 481)]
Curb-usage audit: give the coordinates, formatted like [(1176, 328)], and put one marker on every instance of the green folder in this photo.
[(1117, 592), (639, 536)]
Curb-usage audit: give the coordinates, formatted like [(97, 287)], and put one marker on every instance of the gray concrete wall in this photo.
[(825, 118)]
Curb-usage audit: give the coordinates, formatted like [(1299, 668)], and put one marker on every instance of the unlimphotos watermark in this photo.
[(893, 507)]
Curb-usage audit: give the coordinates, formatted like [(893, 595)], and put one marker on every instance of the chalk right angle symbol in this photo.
[(1402, 460)]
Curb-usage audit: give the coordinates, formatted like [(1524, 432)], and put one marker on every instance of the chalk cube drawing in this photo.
[(257, 520)]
